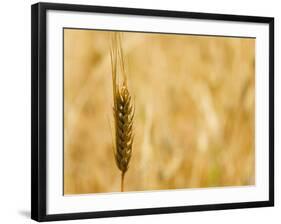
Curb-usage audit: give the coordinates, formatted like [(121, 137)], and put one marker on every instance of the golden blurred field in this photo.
[(194, 100)]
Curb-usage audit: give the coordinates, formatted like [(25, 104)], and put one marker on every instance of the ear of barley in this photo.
[(123, 110)]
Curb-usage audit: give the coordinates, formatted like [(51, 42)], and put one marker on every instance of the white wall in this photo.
[(15, 110)]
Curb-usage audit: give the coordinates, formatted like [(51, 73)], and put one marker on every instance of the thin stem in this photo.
[(122, 181)]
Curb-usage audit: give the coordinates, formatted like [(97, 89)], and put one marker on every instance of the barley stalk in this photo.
[(123, 110)]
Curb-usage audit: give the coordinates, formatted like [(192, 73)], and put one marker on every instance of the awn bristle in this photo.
[(123, 110)]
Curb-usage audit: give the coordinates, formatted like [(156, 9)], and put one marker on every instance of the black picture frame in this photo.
[(39, 116)]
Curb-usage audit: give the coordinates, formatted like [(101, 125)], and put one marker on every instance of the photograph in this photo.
[(146, 111), (139, 111)]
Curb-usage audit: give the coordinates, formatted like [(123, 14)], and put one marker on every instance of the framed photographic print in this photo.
[(139, 111)]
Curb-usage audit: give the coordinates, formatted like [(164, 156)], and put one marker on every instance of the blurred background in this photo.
[(194, 121)]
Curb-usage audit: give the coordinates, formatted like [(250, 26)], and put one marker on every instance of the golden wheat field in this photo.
[(194, 120)]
